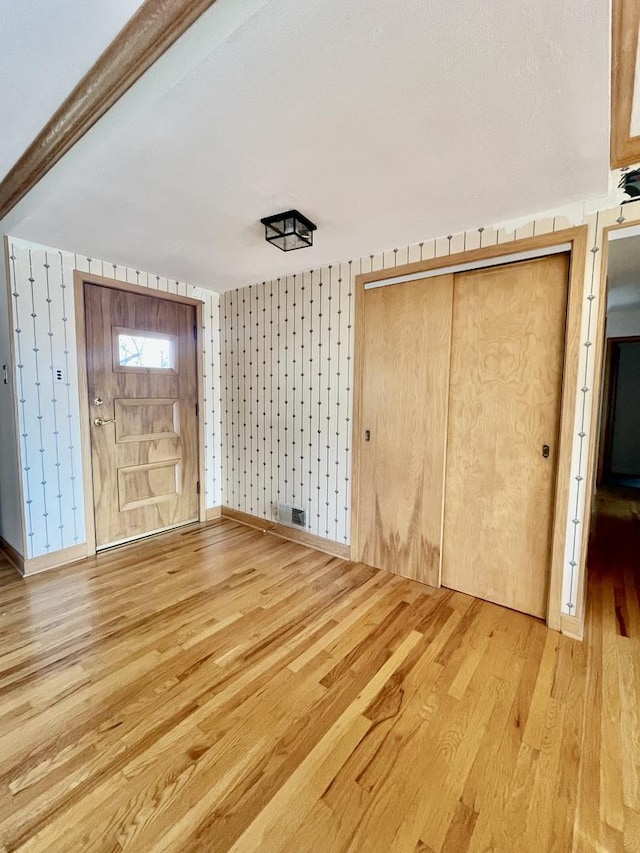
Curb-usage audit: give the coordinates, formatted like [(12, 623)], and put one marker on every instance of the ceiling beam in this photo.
[(155, 27)]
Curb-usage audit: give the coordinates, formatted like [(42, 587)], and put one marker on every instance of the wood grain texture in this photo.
[(80, 279), (577, 237), (406, 333), (625, 148), (150, 483), (496, 250), (147, 419), (293, 534), (141, 290), (14, 557), (572, 352), (507, 353), (147, 35), (84, 411), (216, 689), (62, 557)]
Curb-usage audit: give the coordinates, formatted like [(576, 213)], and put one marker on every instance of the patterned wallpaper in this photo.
[(10, 504), (287, 368), (43, 319), (286, 362), (278, 369)]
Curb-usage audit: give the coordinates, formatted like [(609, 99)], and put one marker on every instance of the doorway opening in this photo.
[(619, 463), (615, 527), (140, 396)]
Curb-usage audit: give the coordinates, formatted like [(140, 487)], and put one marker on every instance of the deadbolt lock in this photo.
[(98, 401), (546, 450)]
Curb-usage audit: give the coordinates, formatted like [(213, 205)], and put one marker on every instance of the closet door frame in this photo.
[(577, 240)]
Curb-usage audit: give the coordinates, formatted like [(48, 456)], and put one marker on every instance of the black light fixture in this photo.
[(289, 230), (630, 184)]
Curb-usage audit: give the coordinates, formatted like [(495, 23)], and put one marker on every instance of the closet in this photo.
[(460, 395)]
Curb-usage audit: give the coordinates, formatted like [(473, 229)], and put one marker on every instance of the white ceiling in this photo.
[(623, 273), (384, 121), (46, 48)]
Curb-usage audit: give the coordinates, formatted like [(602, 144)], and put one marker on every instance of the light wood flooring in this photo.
[(219, 689)]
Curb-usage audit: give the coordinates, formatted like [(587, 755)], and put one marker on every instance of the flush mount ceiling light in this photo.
[(289, 230), (630, 183)]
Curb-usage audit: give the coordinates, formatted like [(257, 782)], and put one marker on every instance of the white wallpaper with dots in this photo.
[(278, 361), (287, 365), (46, 381), (287, 373)]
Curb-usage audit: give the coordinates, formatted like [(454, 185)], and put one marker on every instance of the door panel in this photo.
[(507, 352), (144, 420), (141, 367), (151, 483), (405, 363)]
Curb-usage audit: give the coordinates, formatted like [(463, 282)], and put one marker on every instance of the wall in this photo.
[(43, 320), (623, 322), (286, 398), (625, 441), (10, 515), (287, 359), (287, 395)]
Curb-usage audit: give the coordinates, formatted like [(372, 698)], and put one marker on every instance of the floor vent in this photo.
[(292, 516)]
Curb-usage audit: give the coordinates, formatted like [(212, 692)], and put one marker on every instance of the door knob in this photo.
[(102, 421)]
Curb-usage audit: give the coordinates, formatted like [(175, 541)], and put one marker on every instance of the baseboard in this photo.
[(290, 533), (34, 565), (213, 512), (571, 626), (16, 559)]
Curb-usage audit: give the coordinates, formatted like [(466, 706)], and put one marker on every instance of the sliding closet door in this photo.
[(504, 412), (405, 362)]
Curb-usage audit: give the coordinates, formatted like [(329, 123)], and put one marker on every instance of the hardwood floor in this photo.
[(218, 689)]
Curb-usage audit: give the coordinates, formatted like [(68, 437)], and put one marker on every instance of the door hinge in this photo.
[(197, 410), (198, 487), (195, 333)]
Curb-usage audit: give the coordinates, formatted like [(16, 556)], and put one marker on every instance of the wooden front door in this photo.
[(507, 353), (405, 362), (142, 384)]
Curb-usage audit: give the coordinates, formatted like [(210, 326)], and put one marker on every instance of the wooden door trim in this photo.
[(79, 280), (115, 284), (144, 38), (577, 238), (625, 26), (599, 338)]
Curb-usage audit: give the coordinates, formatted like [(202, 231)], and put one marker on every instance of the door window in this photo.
[(142, 351)]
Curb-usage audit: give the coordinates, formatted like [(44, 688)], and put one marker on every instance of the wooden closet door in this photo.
[(507, 354), (405, 364)]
